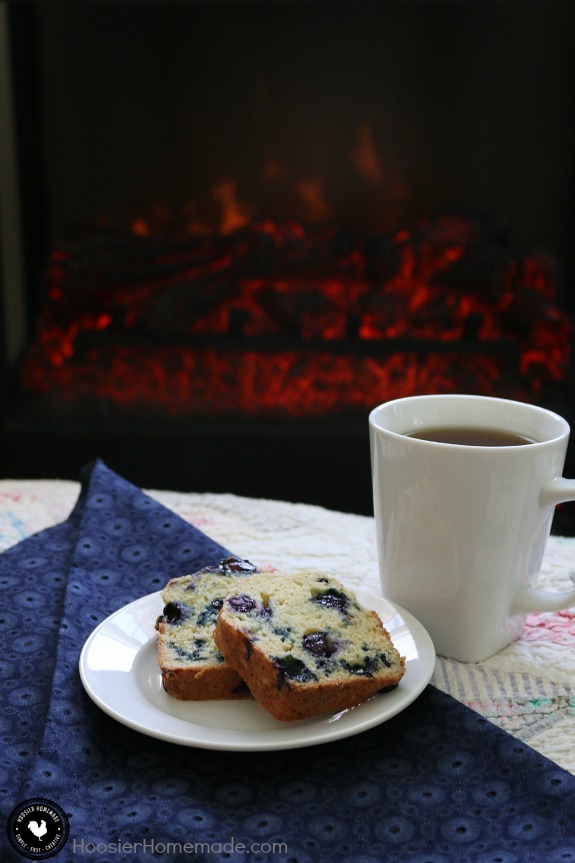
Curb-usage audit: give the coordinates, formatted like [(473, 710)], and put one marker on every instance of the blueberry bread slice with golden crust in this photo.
[(192, 667), (304, 644)]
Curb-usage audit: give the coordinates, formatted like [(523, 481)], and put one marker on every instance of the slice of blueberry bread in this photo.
[(192, 667), (304, 644)]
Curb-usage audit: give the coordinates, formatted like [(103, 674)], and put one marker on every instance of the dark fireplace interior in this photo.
[(238, 226)]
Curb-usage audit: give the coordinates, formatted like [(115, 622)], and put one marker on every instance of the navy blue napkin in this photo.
[(436, 784)]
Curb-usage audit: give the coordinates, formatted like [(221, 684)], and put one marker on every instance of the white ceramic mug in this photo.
[(461, 529)]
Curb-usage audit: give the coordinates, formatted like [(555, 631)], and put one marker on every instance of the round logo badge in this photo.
[(38, 828)]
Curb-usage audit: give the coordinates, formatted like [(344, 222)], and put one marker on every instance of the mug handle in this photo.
[(530, 599)]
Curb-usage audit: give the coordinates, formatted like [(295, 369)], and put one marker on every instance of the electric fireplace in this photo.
[(231, 229)]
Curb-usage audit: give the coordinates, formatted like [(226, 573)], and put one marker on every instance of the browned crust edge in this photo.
[(204, 684)]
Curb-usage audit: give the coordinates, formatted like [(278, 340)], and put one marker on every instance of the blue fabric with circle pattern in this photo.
[(436, 784)]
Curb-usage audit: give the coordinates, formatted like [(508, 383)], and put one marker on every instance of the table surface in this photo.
[(526, 689)]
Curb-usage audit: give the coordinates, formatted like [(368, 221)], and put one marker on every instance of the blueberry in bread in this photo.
[(304, 644), (192, 667)]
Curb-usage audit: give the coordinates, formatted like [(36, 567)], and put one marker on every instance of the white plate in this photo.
[(119, 671)]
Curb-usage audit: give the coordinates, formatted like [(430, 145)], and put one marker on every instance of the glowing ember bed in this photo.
[(292, 320)]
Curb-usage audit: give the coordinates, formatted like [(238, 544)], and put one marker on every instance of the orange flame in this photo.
[(235, 214), (365, 157)]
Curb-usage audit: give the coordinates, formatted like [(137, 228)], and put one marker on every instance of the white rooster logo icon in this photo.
[(37, 830)]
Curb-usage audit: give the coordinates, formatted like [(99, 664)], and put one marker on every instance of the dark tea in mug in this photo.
[(471, 436)]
